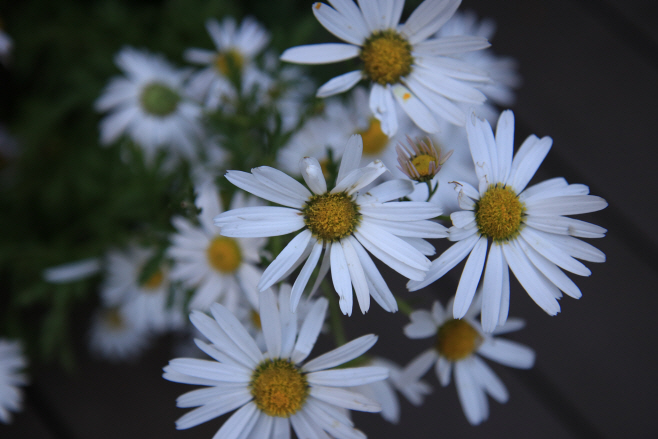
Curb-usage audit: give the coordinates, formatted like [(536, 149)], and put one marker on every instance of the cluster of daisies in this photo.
[(408, 157)]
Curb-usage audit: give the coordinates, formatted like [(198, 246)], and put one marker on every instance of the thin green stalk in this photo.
[(335, 315)]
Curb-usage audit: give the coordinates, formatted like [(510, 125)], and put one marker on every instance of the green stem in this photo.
[(404, 306), (335, 315)]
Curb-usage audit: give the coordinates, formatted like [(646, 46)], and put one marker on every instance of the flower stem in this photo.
[(335, 315)]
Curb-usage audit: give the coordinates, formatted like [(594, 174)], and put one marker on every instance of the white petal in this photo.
[(448, 259), (351, 157), (387, 191), (508, 353), (338, 24), (462, 218), (240, 422), (471, 395), (568, 205), (236, 332), (353, 376), (415, 109), (344, 398), (281, 182), (443, 369), (339, 84), (360, 178), (312, 173), (527, 160), (340, 277), (383, 107), (544, 244), (357, 275), (489, 380), (492, 288), (539, 289), (223, 403), (428, 18), (310, 330), (401, 210), (320, 53), (470, 278), (479, 133), (505, 143), (415, 229), (376, 284), (285, 260), (249, 183), (449, 45), (210, 370), (347, 352), (422, 325), (271, 323), (304, 275), (418, 367), (551, 271)]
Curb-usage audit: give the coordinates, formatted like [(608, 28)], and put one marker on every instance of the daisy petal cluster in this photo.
[(275, 389), (11, 395), (525, 227), (236, 46), (406, 65), (149, 105), (456, 343), (217, 268), (343, 222)]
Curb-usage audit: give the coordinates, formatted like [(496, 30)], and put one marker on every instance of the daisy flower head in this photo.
[(420, 160), (275, 389), (218, 268), (149, 105), (236, 46), (456, 343), (343, 222), (11, 395), (141, 291), (404, 63), (523, 227), (115, 336)]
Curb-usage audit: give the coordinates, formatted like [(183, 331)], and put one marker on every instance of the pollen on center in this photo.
[(226, 62), (331, 217), (498, 213), (387, 57), (457, 339), (279, 388), (224, 254)]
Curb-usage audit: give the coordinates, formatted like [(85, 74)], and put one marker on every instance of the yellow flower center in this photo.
[(387, 57), (422, 165), (331, 217), (230, 61), (159, 99), (374, 140), (456, 340), (154, 281), (279, 388), (498, 213), (224, 254)]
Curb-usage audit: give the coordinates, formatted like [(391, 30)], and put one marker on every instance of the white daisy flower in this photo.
[(218, 268), (11, 362), (455, 346), (236, 48), (149, 106), (404, 380), (115, 337), (404, 63), (527, 230), (343, 222), (143, 301), (273, 390)]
